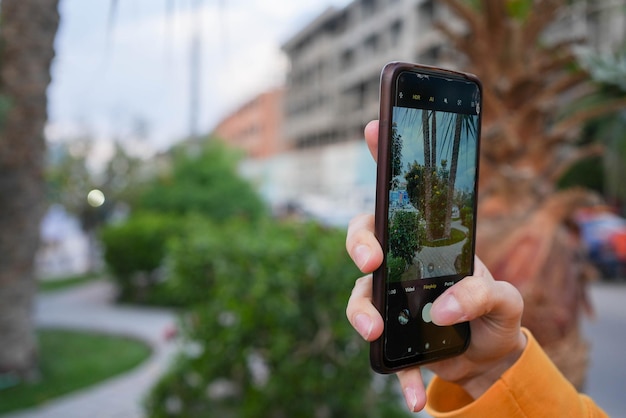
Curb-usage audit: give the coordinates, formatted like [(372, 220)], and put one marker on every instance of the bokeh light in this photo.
[(95, 198)]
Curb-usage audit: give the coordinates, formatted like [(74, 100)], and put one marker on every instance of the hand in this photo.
[(494, 309)]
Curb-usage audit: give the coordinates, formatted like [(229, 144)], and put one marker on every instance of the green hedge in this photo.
[(267, 336), (134, 253)]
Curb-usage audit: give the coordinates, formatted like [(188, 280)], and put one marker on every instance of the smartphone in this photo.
[(426, 185)]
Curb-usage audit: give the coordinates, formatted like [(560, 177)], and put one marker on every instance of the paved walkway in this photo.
[(441, 259), (90, 307), (607, 369)]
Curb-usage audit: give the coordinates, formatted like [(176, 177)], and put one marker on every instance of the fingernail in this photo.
[(363, 325), (447, 310), (411, 398), (362, 254)]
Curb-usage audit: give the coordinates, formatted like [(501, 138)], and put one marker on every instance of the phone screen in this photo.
[(430, 208)]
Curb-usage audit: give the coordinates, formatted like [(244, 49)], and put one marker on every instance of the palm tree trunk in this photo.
[(433, 140), (427, 175), (452, 175), (27, 33), (540, 252)]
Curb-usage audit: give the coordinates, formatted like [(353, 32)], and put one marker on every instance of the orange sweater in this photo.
[(532, 387)]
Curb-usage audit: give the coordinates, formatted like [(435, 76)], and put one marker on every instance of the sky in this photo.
[(126, 74)]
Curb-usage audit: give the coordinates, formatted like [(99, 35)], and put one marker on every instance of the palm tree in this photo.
[(27, 34), (428, 173), (396, 152), (609, 71), (462, 124), (526, 234)]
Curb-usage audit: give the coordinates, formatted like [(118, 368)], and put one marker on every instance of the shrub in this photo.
[(396, 266), (134, 252), (267, 336)]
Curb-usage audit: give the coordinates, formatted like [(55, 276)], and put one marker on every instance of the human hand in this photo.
[(494, 309)]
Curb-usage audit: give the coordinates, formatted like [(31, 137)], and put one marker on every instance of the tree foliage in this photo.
[(405, 235), (70, 178), (439, 183), (604, 174), (204, 182), (396, 152)]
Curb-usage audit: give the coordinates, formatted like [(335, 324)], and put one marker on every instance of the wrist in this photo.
[(479, 384)]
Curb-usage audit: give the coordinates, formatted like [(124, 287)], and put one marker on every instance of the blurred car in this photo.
[(604, 234)]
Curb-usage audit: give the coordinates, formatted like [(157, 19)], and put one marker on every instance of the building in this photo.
[(333, 83), (601, 23), (332, 86), (256, 127)]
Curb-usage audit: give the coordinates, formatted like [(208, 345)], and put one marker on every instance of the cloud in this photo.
[(108, 73)]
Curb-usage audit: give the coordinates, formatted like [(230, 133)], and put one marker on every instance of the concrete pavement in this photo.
[(90, 307), (606, 381)]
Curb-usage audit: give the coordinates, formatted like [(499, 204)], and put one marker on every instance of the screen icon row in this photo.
[(432, 99)]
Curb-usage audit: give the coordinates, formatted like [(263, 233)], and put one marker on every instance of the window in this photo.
[(430, 56), (396, 32), (426, 14), (427, 9), (347, 58), (371, 44), (368, 7)]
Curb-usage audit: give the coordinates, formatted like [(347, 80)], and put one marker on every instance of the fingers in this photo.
[(478, 296), (366, 319), (365, 251), (371, 137), (361, 313), (413, 388), (362, 245)]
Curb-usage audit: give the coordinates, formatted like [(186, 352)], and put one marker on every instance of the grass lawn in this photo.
[(52, 285), (72, 360)]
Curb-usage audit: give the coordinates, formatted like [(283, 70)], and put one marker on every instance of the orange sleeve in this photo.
[(532, 387)]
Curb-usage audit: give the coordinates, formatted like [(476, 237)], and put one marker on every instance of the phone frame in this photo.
[(379, 362)]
